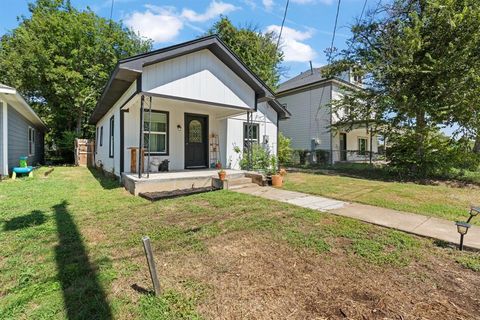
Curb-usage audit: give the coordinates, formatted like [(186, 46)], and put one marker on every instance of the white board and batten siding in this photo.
[(197, 83), (102, 147), (266, 118), (310, 119), (198, 76)]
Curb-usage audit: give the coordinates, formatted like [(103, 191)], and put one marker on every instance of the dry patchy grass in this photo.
[(220, 255)]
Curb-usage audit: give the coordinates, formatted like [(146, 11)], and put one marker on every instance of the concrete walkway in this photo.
[(412, 223)]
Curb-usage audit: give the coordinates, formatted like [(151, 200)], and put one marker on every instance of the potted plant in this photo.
[(222, 174), (218, 165), (277, 179)]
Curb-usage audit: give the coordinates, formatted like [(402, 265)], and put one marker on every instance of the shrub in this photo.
[(323, 156), (441, 155), (284, 149), (260, 159), (66, 146)]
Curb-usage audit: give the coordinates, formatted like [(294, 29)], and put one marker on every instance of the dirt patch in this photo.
[(253, 277)]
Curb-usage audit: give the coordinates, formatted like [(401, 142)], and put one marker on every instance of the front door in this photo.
[(196, 141), (343, 147)]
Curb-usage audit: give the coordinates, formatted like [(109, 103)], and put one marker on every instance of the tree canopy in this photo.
[(60, 58), (421, 71), (257, 50)]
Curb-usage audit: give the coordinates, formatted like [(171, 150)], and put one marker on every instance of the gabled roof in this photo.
[(129, 69), (17, 101), (311, 77)]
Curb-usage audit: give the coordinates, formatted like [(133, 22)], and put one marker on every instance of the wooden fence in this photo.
[(84, 153)]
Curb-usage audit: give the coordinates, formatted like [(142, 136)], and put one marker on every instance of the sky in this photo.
[(307, 33)]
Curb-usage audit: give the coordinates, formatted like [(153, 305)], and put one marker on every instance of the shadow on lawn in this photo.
[(35, 218), (106, 179), (83, 294)]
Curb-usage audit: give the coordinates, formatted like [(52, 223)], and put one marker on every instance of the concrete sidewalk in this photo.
[(412, 223)]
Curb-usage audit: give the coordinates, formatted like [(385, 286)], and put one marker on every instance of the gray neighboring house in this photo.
[(315, 126), (21, 131)]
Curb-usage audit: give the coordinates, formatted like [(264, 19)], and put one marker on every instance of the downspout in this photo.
[(122, 142), (278, 136), (4, 111)]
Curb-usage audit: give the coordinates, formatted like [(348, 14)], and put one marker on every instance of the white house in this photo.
[(190, 104), (314, 126)]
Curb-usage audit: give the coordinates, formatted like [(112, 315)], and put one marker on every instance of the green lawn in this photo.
[(441, 200), (71, 249)]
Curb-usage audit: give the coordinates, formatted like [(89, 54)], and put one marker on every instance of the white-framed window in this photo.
[(101, 136), (362, 146), (255, 134), (31, 141), (158, 142), (111, 145)]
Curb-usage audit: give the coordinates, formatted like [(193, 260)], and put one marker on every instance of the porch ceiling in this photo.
[(200, 107)]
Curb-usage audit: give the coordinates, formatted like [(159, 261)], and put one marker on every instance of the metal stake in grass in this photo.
[(462, 228), (151, 264), (474, 211)]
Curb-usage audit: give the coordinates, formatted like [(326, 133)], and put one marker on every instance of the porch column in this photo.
[(371, 144), (249, 139), (140, 144)]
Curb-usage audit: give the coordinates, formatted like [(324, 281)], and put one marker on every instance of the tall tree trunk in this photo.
[(476, 146), (420, 140), (78, 127)]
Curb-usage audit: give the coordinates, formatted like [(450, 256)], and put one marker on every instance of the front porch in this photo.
[(174, 180)]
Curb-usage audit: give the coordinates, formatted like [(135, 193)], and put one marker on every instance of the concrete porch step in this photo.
[(238, 181), (242, 186)]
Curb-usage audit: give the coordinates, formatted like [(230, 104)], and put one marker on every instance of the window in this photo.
[(31, 141), (101, 136), (255, 134), (111, 146), (158, 141), (362, 146)]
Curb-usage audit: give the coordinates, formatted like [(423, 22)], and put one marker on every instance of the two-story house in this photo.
[(314, 125)]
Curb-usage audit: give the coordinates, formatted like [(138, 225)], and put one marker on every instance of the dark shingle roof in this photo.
[(304, 78)]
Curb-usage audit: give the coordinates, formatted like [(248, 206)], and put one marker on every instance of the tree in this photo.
[(60, 59), (256, 49), (421, 68)]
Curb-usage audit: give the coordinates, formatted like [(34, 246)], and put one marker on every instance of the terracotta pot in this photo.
[(277, 180), (222, 175)]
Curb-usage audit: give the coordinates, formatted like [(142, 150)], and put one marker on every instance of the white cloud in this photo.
[(293, 46), (164, 23), (161, 24), (215, 9), (250, 3), (312, 1), (268, 4)]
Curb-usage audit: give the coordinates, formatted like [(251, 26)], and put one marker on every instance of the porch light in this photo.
[(179, 127), (462, 228), (473, 213)]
